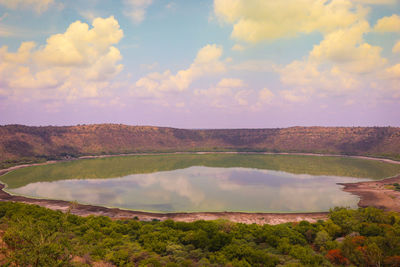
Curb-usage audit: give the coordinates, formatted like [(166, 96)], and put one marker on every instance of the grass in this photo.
[(119, 166)]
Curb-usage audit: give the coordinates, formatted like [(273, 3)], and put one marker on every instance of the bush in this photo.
[(35, 236)]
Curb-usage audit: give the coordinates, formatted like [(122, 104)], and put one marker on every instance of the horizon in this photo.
[(214, 64), (180, 128)]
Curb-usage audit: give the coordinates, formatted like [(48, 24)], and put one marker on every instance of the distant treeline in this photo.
[(35, 236), (19, 144)]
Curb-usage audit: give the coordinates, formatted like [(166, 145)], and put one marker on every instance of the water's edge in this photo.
[(117, 213)]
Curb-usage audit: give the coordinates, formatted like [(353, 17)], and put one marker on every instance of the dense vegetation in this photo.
[(35, 236), (126, 165), (19, 144)]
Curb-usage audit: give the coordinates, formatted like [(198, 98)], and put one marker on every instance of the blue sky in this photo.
[(200, 64)]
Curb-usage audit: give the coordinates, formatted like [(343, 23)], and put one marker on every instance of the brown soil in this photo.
[(371, 193), (376, 194)]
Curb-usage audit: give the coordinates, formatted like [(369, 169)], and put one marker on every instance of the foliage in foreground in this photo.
[(35, 236)]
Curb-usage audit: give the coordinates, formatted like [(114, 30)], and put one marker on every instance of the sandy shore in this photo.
[(371, 193), (376, 194)]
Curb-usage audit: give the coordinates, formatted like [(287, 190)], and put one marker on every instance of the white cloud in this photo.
[(307, 79), (238, 47), (215, 92), (77, 63), (206, 62), (346, 48), (242, 97), (376, 2), (336, 67), (232, 83), (265, 96), (388, 24), (80, 45), (396, 47), (310, 81), (258, 20), (227, 93), (293, 96), (136, 9), (393, 71), (219, 97), (38, 5)]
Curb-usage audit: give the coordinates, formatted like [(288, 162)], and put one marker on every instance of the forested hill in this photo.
[(20, 143)]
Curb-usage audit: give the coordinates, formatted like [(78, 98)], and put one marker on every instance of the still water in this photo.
[(196, 188)]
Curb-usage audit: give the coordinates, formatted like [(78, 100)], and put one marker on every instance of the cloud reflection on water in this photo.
[(203, 189)]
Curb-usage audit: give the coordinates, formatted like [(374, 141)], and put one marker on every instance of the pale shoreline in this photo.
[(368, 192)]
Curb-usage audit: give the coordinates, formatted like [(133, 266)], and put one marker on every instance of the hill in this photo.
[(20, 143)]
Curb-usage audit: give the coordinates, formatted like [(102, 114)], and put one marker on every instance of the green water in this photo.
[(202, 182)]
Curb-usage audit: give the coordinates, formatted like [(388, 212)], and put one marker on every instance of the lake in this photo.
[(201, 182)]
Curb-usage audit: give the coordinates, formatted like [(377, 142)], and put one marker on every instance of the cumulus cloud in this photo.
[(81, 46), (38, 5), (346, 48), (388, 24), (136, 9), (258, 20), (228, 92), (294, 96), (337, 66), (232, 83), (307, 79), (265, 96), (396, 48), (334, 67), (242, 97), (394, 71), (213, 92), (206, 62), (238, 47), (233, 95), (77, 63), (376, 2)]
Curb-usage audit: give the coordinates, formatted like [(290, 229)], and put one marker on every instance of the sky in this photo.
[(200, 64)]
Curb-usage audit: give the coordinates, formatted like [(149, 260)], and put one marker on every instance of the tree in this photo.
[(38, 243), (336, 257), (321, 239)]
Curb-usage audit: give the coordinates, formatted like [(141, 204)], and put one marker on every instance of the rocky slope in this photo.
[(20, 143)]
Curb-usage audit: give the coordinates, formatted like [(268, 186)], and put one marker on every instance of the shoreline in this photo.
[(376, 194), (6, 170), (371, 193), (116, 213)]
